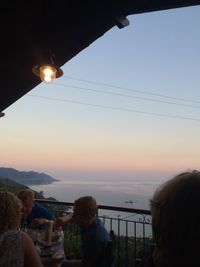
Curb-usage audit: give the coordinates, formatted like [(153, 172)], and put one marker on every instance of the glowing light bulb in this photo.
[(47, 73), (47, 79)]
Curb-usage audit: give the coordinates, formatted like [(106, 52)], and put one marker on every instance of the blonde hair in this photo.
[(85, 206), (10, 211), (26, 194)]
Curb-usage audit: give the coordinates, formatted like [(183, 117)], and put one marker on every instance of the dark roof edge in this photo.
[(137, 7)]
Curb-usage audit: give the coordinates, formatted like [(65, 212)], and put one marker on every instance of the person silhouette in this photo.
[(16, 247), (94, 236), (175, 209), (34, 214)]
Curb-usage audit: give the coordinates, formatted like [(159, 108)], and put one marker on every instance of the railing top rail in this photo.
[(131, 210)]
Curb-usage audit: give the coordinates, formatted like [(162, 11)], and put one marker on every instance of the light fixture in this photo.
[(47, 72), (121, 22), (2, 114)]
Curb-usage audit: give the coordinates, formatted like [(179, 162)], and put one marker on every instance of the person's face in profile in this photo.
[(79, 218), (27, 206)]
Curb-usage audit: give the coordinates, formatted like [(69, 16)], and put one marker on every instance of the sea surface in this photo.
[(129, 194)]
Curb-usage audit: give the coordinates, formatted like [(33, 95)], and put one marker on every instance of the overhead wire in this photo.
[(115, 108), (124, 95), (131, 89)]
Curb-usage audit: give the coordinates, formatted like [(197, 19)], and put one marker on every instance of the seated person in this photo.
[(16, 248), (34, 214), (94, 236), (175, 209)]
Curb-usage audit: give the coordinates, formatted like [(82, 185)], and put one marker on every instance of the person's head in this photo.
[(27, 198), (85, 209), (175, 210), (10, 212)]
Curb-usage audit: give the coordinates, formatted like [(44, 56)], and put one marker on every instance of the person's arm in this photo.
[(59, 221), (40, 215), (36, 222), (31, 257)]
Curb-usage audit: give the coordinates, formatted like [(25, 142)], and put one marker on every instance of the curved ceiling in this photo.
[(31, 31)]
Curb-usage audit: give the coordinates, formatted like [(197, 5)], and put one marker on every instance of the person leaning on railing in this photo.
[(16, 247), (175, 209), (94, 236)]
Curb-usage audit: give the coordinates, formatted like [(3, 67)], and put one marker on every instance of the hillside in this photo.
[(26, 177), (14, 187)]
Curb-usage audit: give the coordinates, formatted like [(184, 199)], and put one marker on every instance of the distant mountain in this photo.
[(26, 178)]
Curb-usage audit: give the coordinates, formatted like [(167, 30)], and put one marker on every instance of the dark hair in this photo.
[(175, 209), (85, 206)]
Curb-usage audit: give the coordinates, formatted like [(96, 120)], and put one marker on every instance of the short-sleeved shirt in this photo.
[(11, 254), (93, 244), (39, 211)]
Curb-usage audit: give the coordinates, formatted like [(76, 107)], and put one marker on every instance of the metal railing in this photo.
[(132, 228)]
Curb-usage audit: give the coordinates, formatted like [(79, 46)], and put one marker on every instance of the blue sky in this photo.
[(146, 124)]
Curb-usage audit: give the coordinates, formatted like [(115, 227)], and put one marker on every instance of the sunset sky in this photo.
[(128, 104)]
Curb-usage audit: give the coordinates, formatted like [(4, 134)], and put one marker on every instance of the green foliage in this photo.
[(128, 249), (14, 187), (131, 248), (72, 241), (10, 185)]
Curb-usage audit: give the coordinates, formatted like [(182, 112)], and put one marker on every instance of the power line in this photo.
[(132, 90), (115, 108), (128, 96)]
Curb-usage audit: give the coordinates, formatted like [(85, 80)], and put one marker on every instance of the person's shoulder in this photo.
[(98, 221), (43, 211), (40, 207), (27, 242), (101, 232), (25, 237), (96, 224), (99, 224)]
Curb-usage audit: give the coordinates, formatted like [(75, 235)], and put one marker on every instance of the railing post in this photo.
[(118, 251)]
